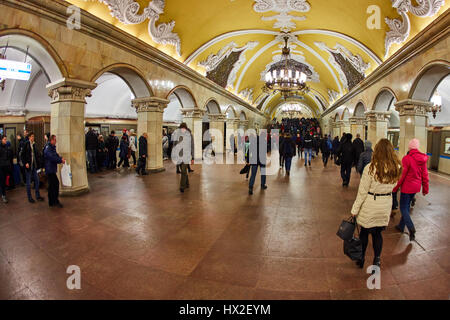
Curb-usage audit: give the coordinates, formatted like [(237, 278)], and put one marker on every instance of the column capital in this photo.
[(376, 116), (70, 90), (243, 123), (150, 104), (357, 120), (216, 117), (233, 121), (411, 107), (193, 112)]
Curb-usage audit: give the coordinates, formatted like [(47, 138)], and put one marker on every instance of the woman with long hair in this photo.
[(372, 207)]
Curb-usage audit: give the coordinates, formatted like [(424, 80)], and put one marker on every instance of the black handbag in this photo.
[(347, 229), (246, 169), (353, 248)]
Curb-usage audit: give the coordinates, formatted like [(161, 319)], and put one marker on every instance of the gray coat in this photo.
[(364, 159)]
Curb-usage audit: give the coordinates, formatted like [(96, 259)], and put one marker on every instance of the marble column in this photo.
[(344, 126), (68, 99), (193, 117), (336, 130), (232, 128), (413, 123), (357, 125), (377, 125), (150, 119), (217, 122)]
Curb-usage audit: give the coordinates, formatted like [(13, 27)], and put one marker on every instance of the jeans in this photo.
[(32, 174), (92, 159), (254, 169), (377, 240), (308, 151), (346, 172), (405, 204), (53, 189), (288, 161)]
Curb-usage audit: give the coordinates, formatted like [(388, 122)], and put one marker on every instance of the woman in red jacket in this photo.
[(414, 178)]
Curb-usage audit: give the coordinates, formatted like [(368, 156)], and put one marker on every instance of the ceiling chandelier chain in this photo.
[(287, 77)]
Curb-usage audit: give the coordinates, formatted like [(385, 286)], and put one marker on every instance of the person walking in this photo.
[(257, 158), (91, 148), (307, 146), (372, 206), (365, 157), (112, 143), (21, 143), (31, 159), (101, 152), (358, 146), (246, 153), (414, 178), (281, 148), (336, 145), (184, 145), (133, 146), (325, 148), (143, 155), (51, 161), (123, 155), (165, 145), (5, 162), (289, 151), (346, 154)]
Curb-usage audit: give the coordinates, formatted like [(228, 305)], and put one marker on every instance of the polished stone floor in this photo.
[(139, 238)]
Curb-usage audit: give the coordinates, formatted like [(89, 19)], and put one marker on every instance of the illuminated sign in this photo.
[(14, 70)]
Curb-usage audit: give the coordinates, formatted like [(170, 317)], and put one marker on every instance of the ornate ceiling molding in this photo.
[(333, 96), (126, 11), (214, 60), (247, 94), (284, 21), (355, 60), (299, 58), (401, 28)]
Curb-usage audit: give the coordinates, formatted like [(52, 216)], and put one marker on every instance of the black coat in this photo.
[(112, 143), (26, 155), (143, 150), (324, 146), (346, 152), (308, 142), (91, 141), (364, 160), (358, 144), (6, 155), (289, 148)]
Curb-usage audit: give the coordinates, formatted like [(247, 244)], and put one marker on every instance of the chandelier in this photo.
[(292, 110), (288, 76), (437, 104)]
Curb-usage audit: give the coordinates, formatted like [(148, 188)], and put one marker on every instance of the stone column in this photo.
[(193, 117), (336, 130), (217, 122), (345, 126), (377, 123), (232, 128), (357, 125), (68, 99), (243, 124), (150, 119), (413, 123)]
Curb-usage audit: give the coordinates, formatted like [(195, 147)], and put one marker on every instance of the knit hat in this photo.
[(414, 144), (367, 145)]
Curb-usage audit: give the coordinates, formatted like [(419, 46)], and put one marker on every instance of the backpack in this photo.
[(330, 145)]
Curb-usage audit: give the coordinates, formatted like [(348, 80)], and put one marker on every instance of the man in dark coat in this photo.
[(307, 146), (91, 148), (257, 158), (325, 149), (143, 155), (346, 153), (5, 162), (51, 160), (336, 144), (112, 143), (31, 159), (358, 145), (183, 153)]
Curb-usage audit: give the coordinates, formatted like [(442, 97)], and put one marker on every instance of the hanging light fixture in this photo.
[(437, 105), (287, 76)]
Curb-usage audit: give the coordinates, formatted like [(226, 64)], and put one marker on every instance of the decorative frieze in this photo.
[(195, 113), (377, 116), (70, 90), (284, 20), (357, 121), (216, 117), (413, 107), (150, 104)]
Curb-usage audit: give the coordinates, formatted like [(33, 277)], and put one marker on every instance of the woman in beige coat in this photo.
[(372, 207)]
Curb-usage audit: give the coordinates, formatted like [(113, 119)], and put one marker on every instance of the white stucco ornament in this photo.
[(401, 28), (284, 20), (126, 11)]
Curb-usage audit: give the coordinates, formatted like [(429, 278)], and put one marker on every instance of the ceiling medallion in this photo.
[(284, 20), (126, 11), (287, 76), (400, 29)]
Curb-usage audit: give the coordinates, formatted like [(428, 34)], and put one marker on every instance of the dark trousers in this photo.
[(32, 175), (325, 157), (133, 155), (112, 159), (405, 205), (3, 173), (184, 181), (254, 169), (100, 159), (377, 240), (142, 163), (92, 159), (125, 162), (346, 172), (288, 163), (281, 160), (53, 189)]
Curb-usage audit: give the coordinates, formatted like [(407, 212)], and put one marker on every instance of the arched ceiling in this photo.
[(232, 42)]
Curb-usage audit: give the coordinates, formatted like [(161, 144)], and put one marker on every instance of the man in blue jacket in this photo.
[(51, 160)]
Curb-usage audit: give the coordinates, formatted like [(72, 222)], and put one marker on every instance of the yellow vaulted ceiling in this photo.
[(203, 27)]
